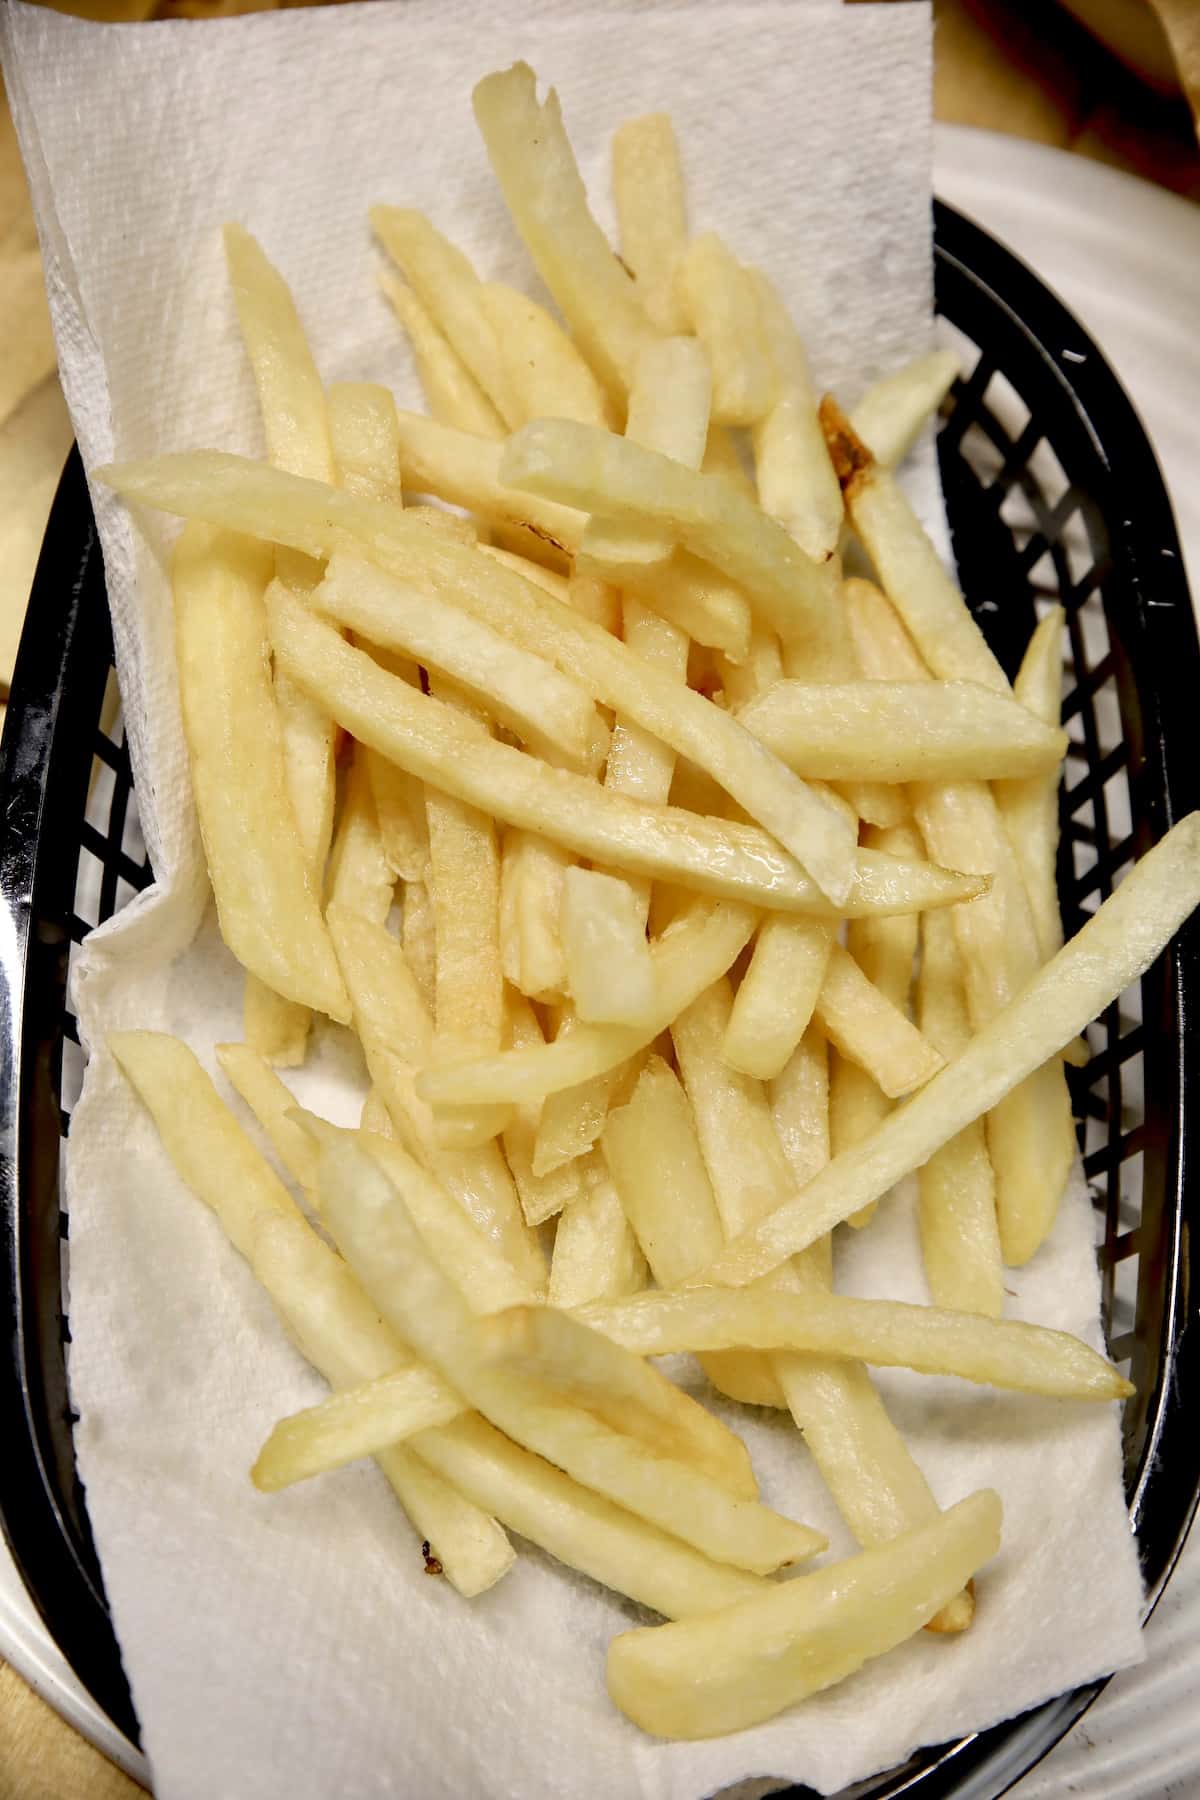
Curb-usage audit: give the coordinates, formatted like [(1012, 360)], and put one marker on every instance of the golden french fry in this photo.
[(372, 1227), (609, 972), (452, 295), (651, 218), (870, 1029), (365, 437), (417, 937), (902, 731), (1114, 948), (596, 1255), (745, 1663), (721, 303), (621, 1389), (892, 412), (773, 1005), (960, 1241), (534, 164), (266, 904), (795, 478), (337, 1328), (546, 373)]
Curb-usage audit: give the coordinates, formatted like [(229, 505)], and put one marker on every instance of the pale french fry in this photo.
[(960, 1241), (347, 1426), (760, 669), (571, 1119), (668, 412), (464, 470), (868, 1028), (902, 731), (721, 303), (609, 972), (875, 802), (774, 1004), (547, 375), (400, 809), (453, 525), (651, 214), (595, 601), (375, 1117), (456, 756), (640, 764), (885, 949), (535, 166), (908, 566), (372, 1227), (396, 1033), (1114, 948), (312, 518), (337, 1328), (892, 412), (579, 1527), (266, 904), (578, 466), (546, 709), (996, 1353), (452, 294), (542, 1196), (857, 1105), (1029, 807), (696, 600), (549, 580), (532, 873), (365, 438), (417, 936), (360, 876), (882, 646), (452, 394), (621, 1389), (271, 1102), (687, 958), (799, 1100), (795, 478), (722, 457), (596, 1255), (746, 1663)]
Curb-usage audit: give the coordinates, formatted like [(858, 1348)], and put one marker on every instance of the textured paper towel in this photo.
[(292, 1645)]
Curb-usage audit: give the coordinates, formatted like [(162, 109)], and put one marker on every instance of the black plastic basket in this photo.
[(1053, 494)]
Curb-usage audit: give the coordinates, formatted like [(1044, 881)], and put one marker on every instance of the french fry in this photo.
[(400, 810), (394, 1028), (375, 1117), (892, 412), (312, 518), (549, 580), (417, 937), (668, 412), (532, 873), (868, 1028), (575, 465), (746, 1663), (621, 1389), (455, 755), (266, 904), (799, 1100), (372, 1227), (908, 566), (609, 972), (1029, 807), (571, 1119), (888, 1333), (639, 763), (960, 1241), (542, 1196), (721, 303), (1115, 947), (902, 731), (796, 482), (546, 373), (875, 802), (452, 295), (857, 1105), (360, 876), (882, 646), (694, 598), (653, 1154), (546, 709), (271, 1102), (452, 394), (338, 1330), (774, 1004), (347, 1426), (596, 1255), (464, 470), (651, 214), (365, 438), (534, 164)]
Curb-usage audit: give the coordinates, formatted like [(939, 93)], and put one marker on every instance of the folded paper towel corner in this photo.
[(305, 1622)]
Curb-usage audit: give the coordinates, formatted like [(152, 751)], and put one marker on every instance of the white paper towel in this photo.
[(292, 1645)]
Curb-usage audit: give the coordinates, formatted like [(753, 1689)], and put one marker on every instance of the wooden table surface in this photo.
[(993, 69)]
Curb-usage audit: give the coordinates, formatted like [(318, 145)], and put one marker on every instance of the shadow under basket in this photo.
[(1053, 496)]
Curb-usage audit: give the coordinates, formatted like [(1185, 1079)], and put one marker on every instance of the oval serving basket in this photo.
[(1053, 495)]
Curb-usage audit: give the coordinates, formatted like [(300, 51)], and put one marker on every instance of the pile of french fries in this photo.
[(683, 894)]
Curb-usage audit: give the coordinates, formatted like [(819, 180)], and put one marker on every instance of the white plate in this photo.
[(1124, 257)]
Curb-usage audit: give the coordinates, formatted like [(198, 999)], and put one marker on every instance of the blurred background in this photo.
[(1114, 81)]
